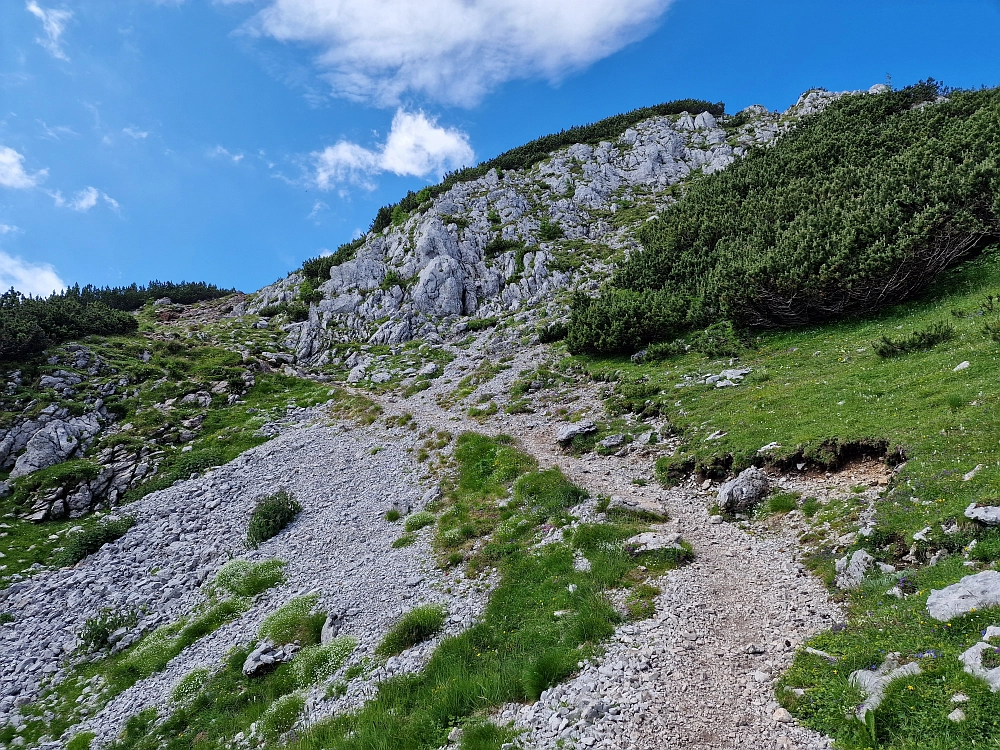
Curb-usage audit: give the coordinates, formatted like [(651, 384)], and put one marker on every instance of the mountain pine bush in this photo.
[(858, 207)]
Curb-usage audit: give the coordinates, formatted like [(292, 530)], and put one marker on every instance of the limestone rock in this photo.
[(652, 541), (570, 431), (851, 570), (873, 684), (266, 657), (54, 443), (745, 491), (986, 514), (977, 591)]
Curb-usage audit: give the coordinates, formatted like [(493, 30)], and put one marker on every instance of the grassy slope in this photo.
[(811, 385)]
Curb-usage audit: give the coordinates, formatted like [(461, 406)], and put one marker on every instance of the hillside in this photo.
[(449, 487)]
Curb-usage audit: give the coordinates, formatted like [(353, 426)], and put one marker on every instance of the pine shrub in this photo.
[(858, 207)]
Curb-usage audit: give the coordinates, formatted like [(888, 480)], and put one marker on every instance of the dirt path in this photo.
[(701, 673)]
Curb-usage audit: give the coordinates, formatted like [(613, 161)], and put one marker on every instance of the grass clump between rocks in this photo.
[(270, 516), (91, 538), (416, 626)]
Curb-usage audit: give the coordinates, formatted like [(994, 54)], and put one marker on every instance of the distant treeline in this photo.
[(134, 296), (29, 325)]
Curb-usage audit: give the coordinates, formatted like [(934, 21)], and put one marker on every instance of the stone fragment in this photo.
[(962, 366), (851, 570), (782, 716), (266, 657), (637, 505), (570, 431), (986, 514), (958, 715), (652, 541)]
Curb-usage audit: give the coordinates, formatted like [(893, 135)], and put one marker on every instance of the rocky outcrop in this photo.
[(488, 247), (978, 591), (120, 470), (56, 441)]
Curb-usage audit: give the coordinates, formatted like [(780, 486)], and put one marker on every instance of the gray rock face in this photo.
[(415, 279), (570, 431), (745, 491), (978, 591), (986, 514), (851, 570), (121, 470), (55, 442)]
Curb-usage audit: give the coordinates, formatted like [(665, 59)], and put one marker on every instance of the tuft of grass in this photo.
[(247, 579), (190, 685), (416, 626), (641, 601), (810, 506), (81, 741), (783, 502), (91, 538), (316, 663), (922, 340), (419, 520), (404, 541), (392, 515), (296, 621), (96, 632), (270, 516)]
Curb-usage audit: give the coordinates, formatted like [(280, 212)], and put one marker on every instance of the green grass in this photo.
[(57, 710), (416, 626), (270, 516), (828, 398)]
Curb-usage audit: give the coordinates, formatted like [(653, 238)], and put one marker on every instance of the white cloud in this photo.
[(53, 24), (9, 229), (417, 147), (38, 279), (12, 172), (220, 151), (453, 50), (133, 132), (84, 200)]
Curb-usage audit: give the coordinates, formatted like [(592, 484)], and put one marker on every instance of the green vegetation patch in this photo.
[(270, 516), (858, 207), (416, 626)]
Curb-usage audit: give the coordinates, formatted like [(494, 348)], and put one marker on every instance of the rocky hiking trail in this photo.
[(700, 674)]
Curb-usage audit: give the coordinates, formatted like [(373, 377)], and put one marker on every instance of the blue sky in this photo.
[(227, 141)]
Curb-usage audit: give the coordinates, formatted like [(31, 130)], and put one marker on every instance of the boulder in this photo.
[(851, 570), (331, 627), (745, 491), (652, 541), (611, 441), (54, 443), (570, 431), (986, 514), (977, 591)]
